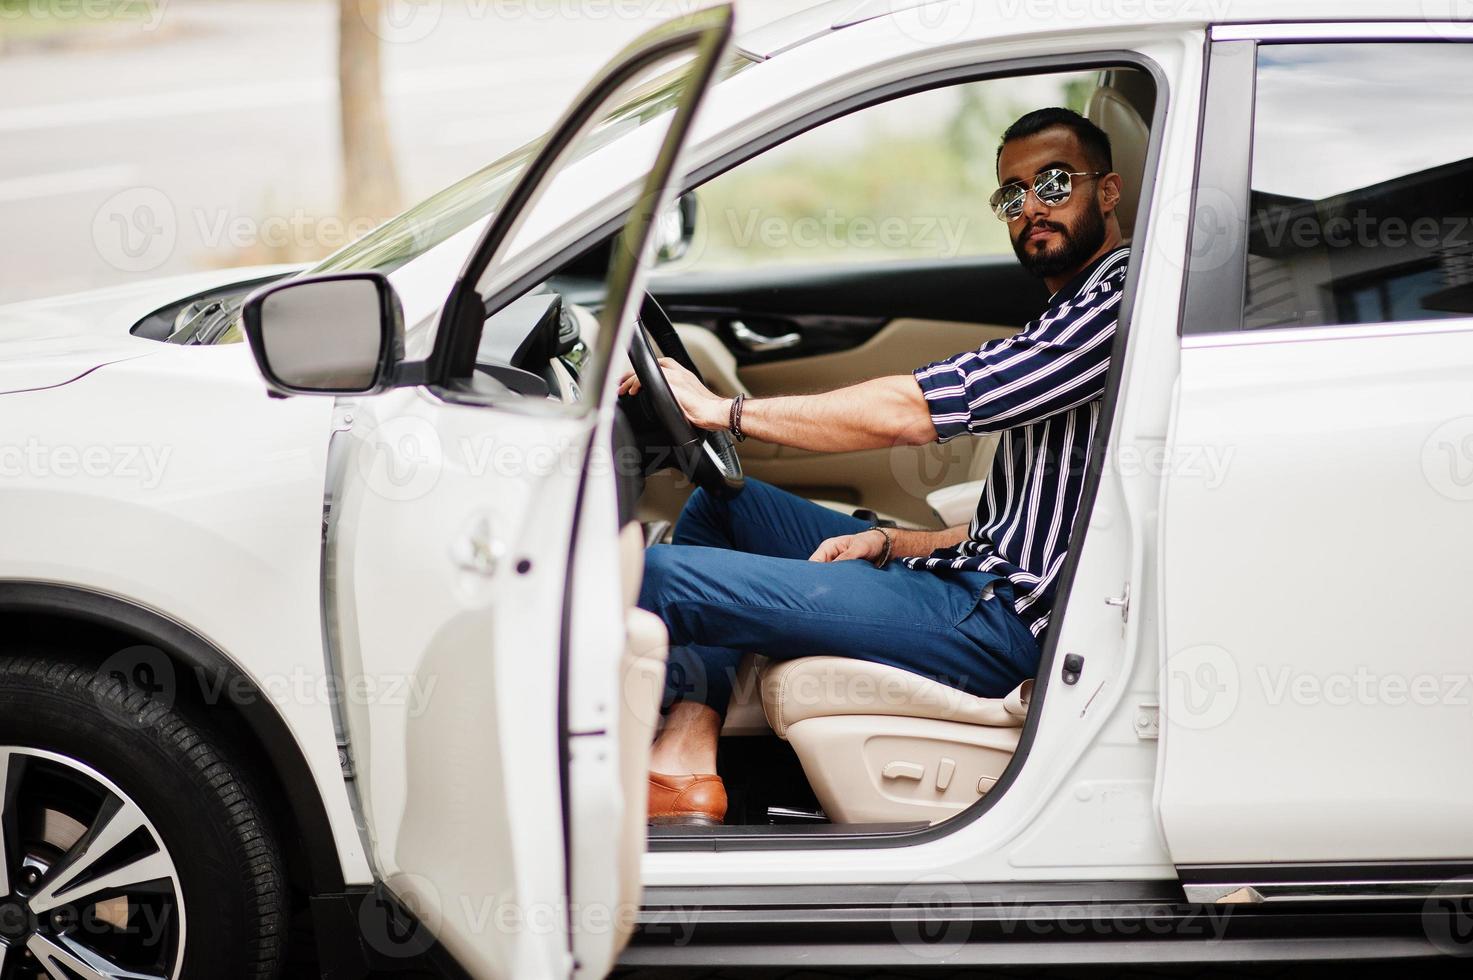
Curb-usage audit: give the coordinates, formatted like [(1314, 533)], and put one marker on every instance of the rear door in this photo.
[(467, 519), (1319, 502)]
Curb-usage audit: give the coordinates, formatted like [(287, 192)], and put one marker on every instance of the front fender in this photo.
[(174, 484)]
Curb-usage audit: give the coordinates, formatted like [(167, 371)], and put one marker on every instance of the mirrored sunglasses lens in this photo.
[(1007, 202), (1052, 187)]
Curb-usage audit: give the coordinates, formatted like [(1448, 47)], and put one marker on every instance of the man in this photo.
[(772, 573)]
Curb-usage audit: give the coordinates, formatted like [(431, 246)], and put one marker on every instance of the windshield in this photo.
[(402, 239), (460, 205)]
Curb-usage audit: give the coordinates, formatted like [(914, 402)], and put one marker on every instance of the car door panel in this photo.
[(840, 307), (1315, 504), (469, 524), (420, 551)]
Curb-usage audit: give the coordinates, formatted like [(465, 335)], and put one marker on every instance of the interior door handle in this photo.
[(761, 343)]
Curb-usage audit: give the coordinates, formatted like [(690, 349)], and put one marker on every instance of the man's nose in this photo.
[(1033, 208)]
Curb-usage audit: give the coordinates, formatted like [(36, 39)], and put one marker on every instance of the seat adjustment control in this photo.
[(944, 773), (903, 770), (1073, 667)]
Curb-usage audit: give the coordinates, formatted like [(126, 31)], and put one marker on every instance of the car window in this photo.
[(1361, 186), (905, 179)]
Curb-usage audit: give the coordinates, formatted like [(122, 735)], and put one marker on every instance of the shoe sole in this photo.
[(684, 820)]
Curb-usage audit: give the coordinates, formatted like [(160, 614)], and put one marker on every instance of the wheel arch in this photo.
[(63, 611)]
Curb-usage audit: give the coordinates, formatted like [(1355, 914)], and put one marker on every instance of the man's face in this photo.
[(1053, 241)]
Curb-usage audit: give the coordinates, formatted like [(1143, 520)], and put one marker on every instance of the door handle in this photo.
[(478, 550), (760, 343)]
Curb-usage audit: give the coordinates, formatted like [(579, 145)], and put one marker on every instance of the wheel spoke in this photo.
[(71, 881), (64, 959), (11, 767)]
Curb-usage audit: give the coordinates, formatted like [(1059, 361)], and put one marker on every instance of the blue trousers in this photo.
[(738, 579)]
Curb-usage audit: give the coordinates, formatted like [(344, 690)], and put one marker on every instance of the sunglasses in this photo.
[(1052, 187)]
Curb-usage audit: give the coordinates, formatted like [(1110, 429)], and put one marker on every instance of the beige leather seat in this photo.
[(882, 745), (1120, 106)]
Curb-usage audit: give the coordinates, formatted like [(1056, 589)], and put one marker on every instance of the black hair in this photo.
[(1094, 140)]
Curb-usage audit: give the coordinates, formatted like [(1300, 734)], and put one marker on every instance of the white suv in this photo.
[(352, 655)]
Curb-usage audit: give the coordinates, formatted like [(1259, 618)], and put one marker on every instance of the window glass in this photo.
[(1362, 184), (905, 179)]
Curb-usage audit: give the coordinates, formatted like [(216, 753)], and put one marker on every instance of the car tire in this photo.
[(84, 753)]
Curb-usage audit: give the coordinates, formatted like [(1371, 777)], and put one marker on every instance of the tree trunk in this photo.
[(370, 183)]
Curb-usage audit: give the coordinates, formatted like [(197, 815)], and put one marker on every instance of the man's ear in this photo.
[(1109, 193)]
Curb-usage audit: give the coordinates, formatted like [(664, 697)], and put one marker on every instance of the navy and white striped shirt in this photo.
[(1040, 388)]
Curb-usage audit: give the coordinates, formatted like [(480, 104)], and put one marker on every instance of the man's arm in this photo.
[(874, 414), (870, 544)]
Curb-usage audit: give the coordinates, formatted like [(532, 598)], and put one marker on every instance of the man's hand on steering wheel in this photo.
[(702, 408)]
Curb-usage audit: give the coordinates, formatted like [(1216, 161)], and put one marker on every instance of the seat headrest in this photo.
[(1129, 136)]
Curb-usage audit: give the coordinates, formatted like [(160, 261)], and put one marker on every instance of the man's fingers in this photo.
[(826, 550)]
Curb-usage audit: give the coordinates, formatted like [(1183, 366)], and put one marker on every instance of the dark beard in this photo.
[(1080, 242)]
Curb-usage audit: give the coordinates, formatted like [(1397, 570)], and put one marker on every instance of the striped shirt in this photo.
[(1040, 388)]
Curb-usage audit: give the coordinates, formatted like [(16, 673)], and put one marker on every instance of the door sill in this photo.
[(779, 836)]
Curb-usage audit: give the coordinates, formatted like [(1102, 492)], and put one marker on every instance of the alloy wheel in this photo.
[(88, 891)]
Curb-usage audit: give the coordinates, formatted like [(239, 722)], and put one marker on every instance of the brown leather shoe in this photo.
[(698, 800)]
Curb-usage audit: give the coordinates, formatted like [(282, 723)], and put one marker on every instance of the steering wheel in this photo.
[(708, 459)]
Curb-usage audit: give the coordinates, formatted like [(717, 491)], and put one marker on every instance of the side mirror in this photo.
[(341, 333), (675, 229)]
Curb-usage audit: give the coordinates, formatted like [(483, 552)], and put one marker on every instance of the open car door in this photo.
[(505, 801)]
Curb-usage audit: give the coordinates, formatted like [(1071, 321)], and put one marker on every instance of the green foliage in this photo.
[(923, 167)]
